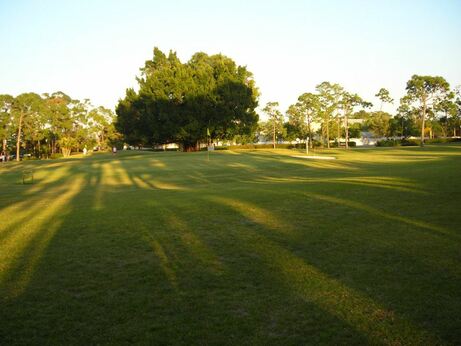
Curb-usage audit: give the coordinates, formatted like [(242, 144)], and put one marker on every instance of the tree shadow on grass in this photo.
[(238, 264), (157, 281)]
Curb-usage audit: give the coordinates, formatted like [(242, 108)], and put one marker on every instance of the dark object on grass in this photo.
[(27, 177)]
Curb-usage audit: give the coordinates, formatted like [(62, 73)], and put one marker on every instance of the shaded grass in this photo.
[(252, 247)]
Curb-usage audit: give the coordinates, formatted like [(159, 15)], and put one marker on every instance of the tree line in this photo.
[(211, 98), (428, 109), (48, 124)]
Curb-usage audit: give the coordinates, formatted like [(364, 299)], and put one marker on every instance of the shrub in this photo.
[(317, 144), (261, 146), (442, 140), (56, 156), (167, 149), (343, 144), (413, 142), (388, 143), (410, 142)]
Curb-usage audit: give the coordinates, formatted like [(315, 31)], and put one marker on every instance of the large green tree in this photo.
[(181, 102), (6, 103), (447, 107), (379, 123), (424, 92), (329, 97), (57, 109), (456, 119), (384, 96), (274, 120), (348, 103), (24, 108), (101, 123), (302, 115)]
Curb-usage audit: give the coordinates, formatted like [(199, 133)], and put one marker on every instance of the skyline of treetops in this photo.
[(211, 98)]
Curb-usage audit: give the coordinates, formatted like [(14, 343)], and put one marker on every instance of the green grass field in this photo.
[(251, 247)]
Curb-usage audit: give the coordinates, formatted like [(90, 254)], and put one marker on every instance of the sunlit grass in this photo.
[(250, 247)]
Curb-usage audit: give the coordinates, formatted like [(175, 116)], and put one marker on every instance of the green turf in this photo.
[(251, 247)]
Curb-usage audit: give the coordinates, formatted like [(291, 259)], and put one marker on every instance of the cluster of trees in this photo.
[(331, 107), (47, 124), (211, 97), (188, 103), (429, 109)]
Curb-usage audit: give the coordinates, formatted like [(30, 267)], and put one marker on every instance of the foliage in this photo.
[(329, 96), (385, 97), (274, 123), (379, 123), (6, 121), (423, 95), (303, 114), (388, 143), (44, 125), (179, 102)]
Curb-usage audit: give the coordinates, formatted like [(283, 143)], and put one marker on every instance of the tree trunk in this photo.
[(346, 125), (190, 147), (328, 133), (423, 120), (338, 125), (4, 146), (18, 140), (101, 144), (65, 151), (273, 137)]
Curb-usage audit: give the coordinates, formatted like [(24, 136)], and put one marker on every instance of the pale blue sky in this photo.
[(94, 49)]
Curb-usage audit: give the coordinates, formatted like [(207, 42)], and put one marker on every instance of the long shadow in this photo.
[(174, 283), (360, 251), (231, 265)]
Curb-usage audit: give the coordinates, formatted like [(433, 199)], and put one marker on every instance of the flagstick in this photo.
[(208, 143)]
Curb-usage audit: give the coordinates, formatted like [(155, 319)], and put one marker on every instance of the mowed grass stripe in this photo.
[(250, 247)]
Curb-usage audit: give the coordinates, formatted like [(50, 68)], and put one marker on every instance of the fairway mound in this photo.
[(315, 157)]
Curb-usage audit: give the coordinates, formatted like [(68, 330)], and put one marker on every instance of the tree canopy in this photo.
[(43, 125), (423, 93), (180, 102)]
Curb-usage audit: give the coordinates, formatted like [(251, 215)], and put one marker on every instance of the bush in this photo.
[(261, 146), (410, 142), (398, 142), (316, 144), (167, 149), (442, 140), (414, 142), (56, 156), (342, 144), (388, 143)]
